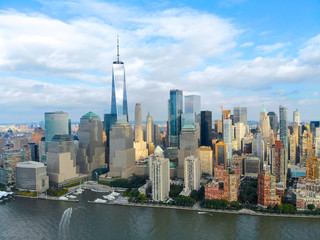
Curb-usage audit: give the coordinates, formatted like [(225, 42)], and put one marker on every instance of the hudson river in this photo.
[(41, 219)]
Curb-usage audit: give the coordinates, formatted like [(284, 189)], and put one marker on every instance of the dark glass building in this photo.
[(206, 129), (273, 121), (175, 111)]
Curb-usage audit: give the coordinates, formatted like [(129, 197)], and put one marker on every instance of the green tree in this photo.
[(311, 207)]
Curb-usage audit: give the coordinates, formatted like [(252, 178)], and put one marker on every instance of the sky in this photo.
[(57, 55)]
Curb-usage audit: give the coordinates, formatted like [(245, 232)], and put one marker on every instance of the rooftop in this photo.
[(90, 115)]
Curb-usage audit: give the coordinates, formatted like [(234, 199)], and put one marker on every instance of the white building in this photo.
[(192, 173), (160, 177)]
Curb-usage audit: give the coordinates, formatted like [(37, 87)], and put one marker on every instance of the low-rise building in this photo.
[(32, 176)]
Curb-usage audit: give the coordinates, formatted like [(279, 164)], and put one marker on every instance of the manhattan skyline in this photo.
[(222, 51)]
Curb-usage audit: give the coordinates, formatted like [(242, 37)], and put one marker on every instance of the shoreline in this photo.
[(249, 213), (50, 199)]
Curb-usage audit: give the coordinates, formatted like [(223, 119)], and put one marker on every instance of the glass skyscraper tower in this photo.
[(191, 114), (118, 80), (175, 111), (284, 128)]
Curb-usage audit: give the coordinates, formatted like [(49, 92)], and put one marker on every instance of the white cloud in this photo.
[(247, 44), (266, 49)]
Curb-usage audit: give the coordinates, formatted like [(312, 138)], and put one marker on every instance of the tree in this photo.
[(235, 205), (175, 190), (311, 207)]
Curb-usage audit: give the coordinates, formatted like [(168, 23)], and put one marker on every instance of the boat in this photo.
[(99, 200), (112, 196), (72, 196), (201, 212), (63, 198)]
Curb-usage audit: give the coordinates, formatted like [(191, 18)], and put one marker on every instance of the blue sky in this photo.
[(58, 55)]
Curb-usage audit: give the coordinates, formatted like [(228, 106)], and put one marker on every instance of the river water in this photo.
[(41, 219)]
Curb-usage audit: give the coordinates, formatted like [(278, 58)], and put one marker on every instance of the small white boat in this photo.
[(99, 200), (201, 212), (63, 198), (71, 196)]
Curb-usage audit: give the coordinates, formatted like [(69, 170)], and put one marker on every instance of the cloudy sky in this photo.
[(57, 55)]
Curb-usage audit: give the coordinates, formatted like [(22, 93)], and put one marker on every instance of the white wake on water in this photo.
[(65, 221)]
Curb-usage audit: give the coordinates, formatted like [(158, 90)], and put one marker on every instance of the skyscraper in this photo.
[(91, 151), (122, 153), (296, 117), (138, 132), (240, 115), (160, 177), (284, 128), (279, 165), (149, 128), (56, 123), (264, 123), (192, 173), (273, 122), (118, 80), (206, 128), (227, 134), (192, 106), (175, 111)]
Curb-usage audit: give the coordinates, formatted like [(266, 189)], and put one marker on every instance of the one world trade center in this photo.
[(118, 81)]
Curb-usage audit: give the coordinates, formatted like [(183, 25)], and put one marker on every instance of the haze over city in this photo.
[(57, 55)]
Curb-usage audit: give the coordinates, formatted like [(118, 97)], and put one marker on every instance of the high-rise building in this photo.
[(258, 147), (138, 132), (192, 108), (221, 154), (109, 120), (284, 128), (91, 151), (61, 160), (56, 123), (267, 190), (251, 166), (206, 129), (206, 160), (188, 146), (273, 122), (292, 149), (175, 111), (118, 80), (218, 126), (34, 151), (306, 150), (139, 145), (156, 134), (122, 153), (160, 177), (31, 176), (227, 134), (264, 123), (192, 173), (240, 130), (313, 169), (296, 117), (149, 129), (279, 165), (240, 115)]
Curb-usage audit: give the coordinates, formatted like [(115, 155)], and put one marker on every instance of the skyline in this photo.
[(164, 46)]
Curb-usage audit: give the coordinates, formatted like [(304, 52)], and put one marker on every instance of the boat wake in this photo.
[(64, 222)]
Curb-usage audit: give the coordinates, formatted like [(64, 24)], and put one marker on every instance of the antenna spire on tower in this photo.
[(118, 47)]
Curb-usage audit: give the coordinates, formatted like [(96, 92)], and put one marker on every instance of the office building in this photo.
[(296, 117), (122, 153), (221, 154), (251, 166), (61, 160), (139, 144), (91, 151), (273, 118), (264, 123), (240, 130), (31, 176), (284, 128), (240, 115), (175, 111), (57, 123), (34, 152), (160, 177), (192, 108), (306, 150), (206, 129), (206, 160), (313, 169), (227, 134)]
